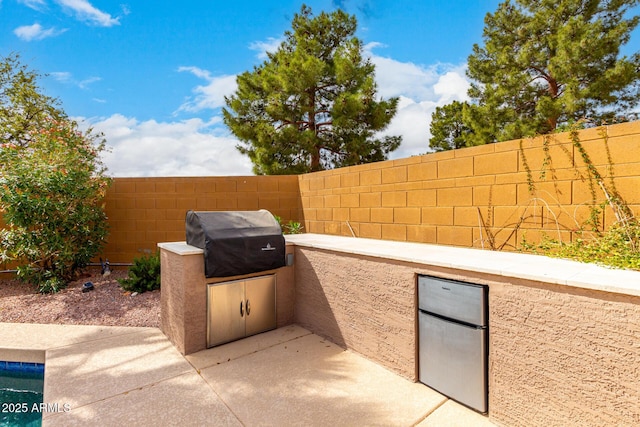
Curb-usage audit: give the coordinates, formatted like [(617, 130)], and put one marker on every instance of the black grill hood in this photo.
[(236, 242)]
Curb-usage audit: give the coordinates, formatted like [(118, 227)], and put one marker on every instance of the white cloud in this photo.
[(85, 11), (186, 148), (262, 47), (34, 4), (397, 78), (67, 78), (194, 147), (211, 95), (412, 122), (435, 82), (452, 86), (84, 84), (61, 76), (420, 89), (36, 32), (198, 72)]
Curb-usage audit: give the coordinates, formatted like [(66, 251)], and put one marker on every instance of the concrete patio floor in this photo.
[(285, 377)]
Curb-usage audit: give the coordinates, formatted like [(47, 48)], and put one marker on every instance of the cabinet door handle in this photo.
[(241, 309), (248, 305)]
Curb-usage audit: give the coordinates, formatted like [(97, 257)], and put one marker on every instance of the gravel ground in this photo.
[(106, 305)]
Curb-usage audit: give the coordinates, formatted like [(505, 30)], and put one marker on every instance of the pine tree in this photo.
[(312, 104), (448, 130), (548, 63)]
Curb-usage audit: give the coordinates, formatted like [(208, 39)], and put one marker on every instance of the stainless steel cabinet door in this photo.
[(460, 301), (260, 302), (453, 360), (225, 312)]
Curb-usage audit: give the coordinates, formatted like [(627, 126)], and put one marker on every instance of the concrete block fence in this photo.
[(444, 197), (441, 198), (143, 212)]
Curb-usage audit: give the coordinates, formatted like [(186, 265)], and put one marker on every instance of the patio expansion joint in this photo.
[(210, 386), (268, 347), (434, 409), (220, 398), (202, 368)]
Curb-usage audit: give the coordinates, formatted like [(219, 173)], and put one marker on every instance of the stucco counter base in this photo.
[(563, 336)]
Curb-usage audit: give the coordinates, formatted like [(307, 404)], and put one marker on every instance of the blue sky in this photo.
[(152, 75)]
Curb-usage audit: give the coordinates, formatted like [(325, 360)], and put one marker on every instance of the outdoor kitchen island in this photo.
[(562, 335), (183, 299)]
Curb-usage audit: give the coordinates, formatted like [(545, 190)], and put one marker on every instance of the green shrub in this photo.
[(616, 247), (292, 227), (144, 274), (51, 193)]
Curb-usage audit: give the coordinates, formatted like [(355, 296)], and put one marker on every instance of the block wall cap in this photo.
[(507, 264), (180, 248)]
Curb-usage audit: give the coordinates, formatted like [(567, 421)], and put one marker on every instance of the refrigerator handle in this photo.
[(241, 309), (248, 307)]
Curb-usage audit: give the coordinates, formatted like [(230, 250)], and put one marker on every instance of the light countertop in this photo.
[(508, 264)]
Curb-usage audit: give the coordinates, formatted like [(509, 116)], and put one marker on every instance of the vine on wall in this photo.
[(617, 245)]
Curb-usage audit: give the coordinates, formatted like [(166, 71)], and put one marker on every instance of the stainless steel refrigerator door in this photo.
[(260, 303), (225, 312), (456, 300), (453, 360)]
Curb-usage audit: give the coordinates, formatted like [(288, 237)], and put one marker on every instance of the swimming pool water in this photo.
[(21, 387)]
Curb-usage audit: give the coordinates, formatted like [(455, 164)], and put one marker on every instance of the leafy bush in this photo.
[(616, 247), (51, 194), (292, 227), (144, 274)]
